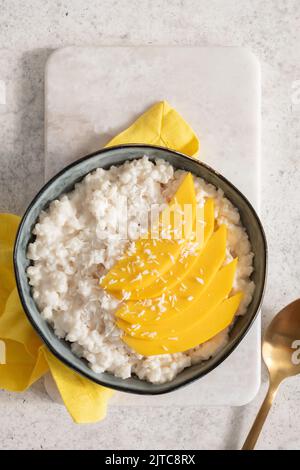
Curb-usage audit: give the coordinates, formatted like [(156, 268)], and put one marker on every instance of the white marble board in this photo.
[(91, 93)]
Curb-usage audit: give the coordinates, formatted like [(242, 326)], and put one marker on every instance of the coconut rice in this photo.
[(76, 242)]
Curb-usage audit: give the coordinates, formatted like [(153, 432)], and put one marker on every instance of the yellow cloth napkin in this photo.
[(26, 358), (160, 125)]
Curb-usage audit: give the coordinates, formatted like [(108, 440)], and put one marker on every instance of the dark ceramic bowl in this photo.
[(64, 182)]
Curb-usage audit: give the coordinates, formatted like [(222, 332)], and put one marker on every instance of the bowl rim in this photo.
[(127, 388)]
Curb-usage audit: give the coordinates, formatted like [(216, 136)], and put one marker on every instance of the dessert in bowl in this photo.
[(137, 329)]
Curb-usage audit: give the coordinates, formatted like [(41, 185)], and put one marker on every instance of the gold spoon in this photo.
[(281, 353)]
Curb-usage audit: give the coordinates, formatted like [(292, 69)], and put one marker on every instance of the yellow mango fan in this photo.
[(182, 299)]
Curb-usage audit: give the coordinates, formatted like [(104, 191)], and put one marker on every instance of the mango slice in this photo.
[(175, 288), (204, 329), (153, 257), (175, 321), (186, 259), (187, 293)]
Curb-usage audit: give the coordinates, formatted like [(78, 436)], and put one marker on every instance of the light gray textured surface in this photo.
[(28, 32)]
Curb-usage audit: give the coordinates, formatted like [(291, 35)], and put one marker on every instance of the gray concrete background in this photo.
[(29, 31)]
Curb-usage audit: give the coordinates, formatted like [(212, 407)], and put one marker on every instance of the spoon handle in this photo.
[(260, 418)]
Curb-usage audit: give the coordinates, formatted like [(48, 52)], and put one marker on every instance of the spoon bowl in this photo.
[(281, 354), (281, 345)]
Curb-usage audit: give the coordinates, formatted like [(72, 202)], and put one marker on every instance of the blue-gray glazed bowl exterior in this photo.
[(63, 182)]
